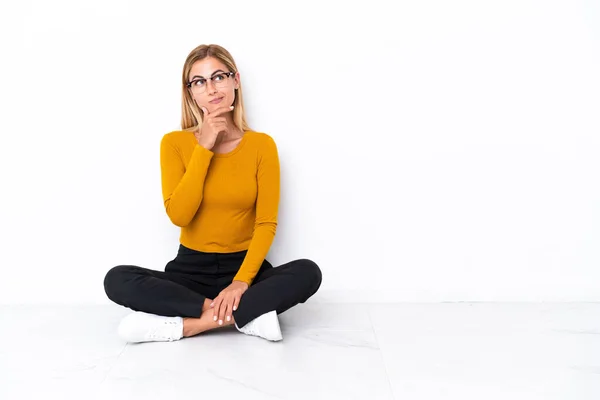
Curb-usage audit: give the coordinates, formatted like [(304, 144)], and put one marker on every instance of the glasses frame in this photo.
[(228, 74)]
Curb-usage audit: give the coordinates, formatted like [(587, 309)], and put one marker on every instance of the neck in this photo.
[(229, 118), (233, 132)]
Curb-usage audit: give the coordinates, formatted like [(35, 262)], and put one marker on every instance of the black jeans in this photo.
[(194, 276)]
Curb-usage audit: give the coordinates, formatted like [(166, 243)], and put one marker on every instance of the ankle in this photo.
[(191, 327)]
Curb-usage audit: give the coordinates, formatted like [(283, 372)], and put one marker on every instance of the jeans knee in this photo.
[(312, 271), (114, 280)]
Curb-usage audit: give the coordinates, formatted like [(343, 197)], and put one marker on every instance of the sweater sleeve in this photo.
[(182, 187), (267, 204)]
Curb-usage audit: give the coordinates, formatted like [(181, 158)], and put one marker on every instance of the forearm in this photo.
[(257, 252), (183, 202)]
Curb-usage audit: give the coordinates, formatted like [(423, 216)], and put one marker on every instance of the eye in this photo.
[(198, 82), (218, 77)]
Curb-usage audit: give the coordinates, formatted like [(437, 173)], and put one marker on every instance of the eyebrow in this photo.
[(200, 76)]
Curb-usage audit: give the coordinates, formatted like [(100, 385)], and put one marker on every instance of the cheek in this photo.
[(202, 101), (229, 97), (232, 96)]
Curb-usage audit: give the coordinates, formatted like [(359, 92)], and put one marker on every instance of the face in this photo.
[(216, 93)]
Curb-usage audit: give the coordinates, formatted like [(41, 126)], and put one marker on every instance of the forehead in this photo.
[(206, 67)]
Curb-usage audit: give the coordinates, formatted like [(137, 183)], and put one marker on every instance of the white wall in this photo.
[(430, 150)]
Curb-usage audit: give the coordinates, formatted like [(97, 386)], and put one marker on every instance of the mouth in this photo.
[(216, 101)]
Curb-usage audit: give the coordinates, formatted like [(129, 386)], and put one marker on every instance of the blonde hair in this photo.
[(191, 114)]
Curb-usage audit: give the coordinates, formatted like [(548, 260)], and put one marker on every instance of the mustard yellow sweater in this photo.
[(223, 202)]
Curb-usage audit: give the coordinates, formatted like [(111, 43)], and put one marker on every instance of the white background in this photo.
[(430, 150)]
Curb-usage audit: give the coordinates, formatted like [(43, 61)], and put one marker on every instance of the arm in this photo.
[(267, 204), (182, 187)]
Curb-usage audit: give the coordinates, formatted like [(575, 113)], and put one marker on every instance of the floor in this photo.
[(330, 351)]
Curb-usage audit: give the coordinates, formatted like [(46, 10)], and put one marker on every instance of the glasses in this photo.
[(198, 86)]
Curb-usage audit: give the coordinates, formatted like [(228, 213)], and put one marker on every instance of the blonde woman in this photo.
[(220, 184)]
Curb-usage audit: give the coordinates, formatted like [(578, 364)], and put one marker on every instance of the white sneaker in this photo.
[(265, 326), (143, 327)]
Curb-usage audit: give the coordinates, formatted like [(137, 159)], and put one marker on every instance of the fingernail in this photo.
[(212, 304), (214, 318), (231, 108), (228, 318), (220, 322), (234, 308)]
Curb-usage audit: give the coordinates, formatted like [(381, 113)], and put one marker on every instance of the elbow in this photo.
[(177, 218), (267, 226)]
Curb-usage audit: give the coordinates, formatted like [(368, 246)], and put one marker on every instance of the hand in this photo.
[(212, 125), (227, 301)]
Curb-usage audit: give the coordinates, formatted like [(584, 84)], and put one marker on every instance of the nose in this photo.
[(210, 87)]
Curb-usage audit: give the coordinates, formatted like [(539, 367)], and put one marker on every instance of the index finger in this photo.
[(219, 111)]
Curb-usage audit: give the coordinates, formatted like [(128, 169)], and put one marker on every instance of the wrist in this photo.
[(206, 146), (244, 282)]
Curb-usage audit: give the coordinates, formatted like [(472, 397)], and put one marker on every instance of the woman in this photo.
[(220, 184)]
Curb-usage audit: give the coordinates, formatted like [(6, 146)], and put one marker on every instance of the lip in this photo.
[(216, 101)]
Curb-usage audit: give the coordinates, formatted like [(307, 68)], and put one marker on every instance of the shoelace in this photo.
[(158, 333)]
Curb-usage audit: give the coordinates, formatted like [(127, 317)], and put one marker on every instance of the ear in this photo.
[(237, 80)]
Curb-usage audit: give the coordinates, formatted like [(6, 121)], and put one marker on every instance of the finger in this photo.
[(218, 119), (228, 310), (220, 128), (214, 307), (218, 124), (232, 309), (220, 111), (223, 311), (214, 310), (217, 307), (224, 305), (236, 302)]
